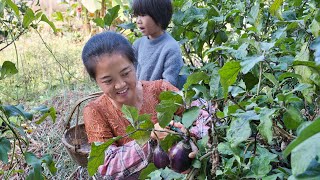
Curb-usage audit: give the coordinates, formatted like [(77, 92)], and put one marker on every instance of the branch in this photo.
[(54, 57), (14, 133), (13, 38)]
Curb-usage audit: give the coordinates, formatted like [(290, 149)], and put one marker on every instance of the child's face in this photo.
[(116, 77), (148, 26)]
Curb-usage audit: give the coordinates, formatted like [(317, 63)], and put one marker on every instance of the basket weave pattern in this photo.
[(75, 139)]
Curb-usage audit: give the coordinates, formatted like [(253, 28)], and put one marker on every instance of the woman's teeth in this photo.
[(124, 91)]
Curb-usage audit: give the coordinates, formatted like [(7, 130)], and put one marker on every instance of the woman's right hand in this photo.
[(159, 132)]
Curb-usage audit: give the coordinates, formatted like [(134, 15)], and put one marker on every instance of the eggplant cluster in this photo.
[(178, 157)]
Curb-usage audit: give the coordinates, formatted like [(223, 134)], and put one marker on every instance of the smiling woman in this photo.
[(109, 59)]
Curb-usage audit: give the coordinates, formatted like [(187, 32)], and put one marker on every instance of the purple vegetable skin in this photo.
[(160, 158), (179, 156)]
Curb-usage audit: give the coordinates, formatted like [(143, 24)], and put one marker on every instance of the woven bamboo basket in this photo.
[(75, 138)]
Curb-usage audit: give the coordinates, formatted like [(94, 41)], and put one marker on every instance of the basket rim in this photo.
[(72, 147)]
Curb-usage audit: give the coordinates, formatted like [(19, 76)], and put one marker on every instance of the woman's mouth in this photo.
[(122, 92)]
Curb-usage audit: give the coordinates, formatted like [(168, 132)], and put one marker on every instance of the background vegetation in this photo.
[(255, 62)]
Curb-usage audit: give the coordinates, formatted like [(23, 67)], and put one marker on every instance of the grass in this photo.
[(55, 79)]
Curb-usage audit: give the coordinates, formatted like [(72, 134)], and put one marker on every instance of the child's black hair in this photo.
[(159, 10), (105, 43)]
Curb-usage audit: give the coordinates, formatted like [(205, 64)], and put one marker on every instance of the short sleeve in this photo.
[(167, 86), (98, 130)]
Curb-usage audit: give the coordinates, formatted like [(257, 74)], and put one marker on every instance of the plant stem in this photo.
[(54, 57), (260, 76), (14, 133)]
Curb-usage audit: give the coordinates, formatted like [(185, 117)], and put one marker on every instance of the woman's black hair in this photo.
[(159, 10), (102, 44)]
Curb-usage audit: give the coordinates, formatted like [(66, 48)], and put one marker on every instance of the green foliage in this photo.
[(7, 69), (36, 163), (255, 62), (96, 156), (139, 130), (110, 16), (4, 149), (306, 133), (17, 19)]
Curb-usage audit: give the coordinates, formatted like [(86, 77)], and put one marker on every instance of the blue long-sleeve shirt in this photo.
[(159, 58)]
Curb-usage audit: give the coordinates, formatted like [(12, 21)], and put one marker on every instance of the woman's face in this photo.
[(116, 77)]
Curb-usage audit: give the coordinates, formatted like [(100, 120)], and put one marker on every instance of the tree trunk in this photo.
[(103, 8)]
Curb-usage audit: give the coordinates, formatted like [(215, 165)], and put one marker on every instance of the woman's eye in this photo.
[(107, 81), (125, 74)]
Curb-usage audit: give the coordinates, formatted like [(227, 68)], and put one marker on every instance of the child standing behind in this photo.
[(158, 53)]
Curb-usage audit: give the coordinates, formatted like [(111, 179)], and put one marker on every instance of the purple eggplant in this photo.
[(179, 156), (160, 157)]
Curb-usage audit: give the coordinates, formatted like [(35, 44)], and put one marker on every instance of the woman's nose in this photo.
[(120, 84)]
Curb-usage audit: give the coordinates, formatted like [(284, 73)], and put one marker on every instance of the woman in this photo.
[(109, 59)]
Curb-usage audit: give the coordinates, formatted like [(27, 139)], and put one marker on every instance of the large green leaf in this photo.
[(214, 83), (260, 166), (96, 157), (111, 15), (32, 160), (239, 131), (99, 22), (2, 6), (228, 74), (315, 28), (166, 110), (190, 115), (28, 18), (265, 126), (272, 79), (250, 80), (289, 75), (7, 69), (18, 110), (131, 113), (304, 71), (275, 7), (146, 171), (196, 78), (169, 104), (292, 118), (312, 171), (4, 149), (50, 23), (221, 37), (13, 6), (306, 133), (249, 63), (303, 154), (143, 133)]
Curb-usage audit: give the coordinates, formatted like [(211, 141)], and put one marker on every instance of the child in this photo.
[(158, 53)]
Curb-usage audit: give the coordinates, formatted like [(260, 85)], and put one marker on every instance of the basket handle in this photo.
[(77, 107)]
